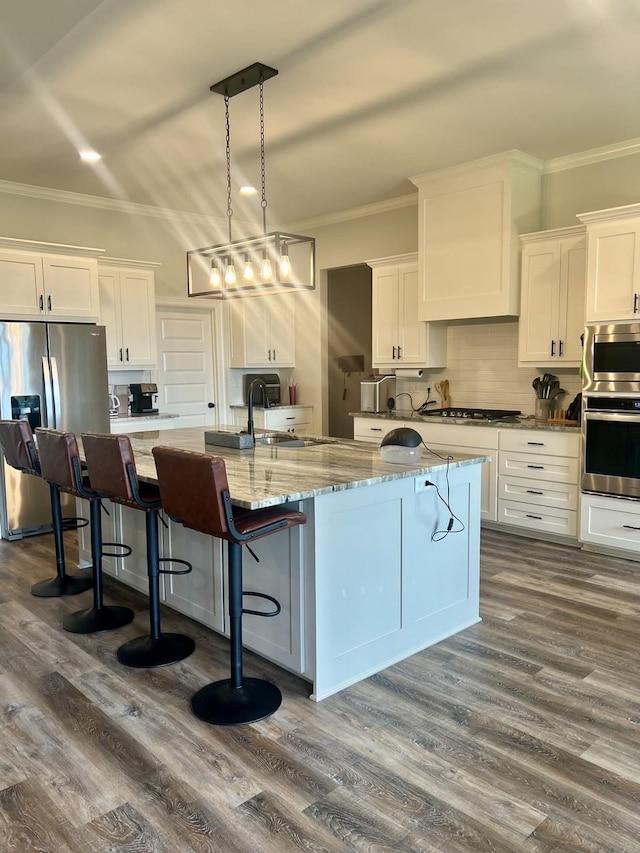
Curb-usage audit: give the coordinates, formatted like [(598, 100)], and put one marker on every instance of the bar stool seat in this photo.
[(19, 448), (195, 492), (60, 464), (112, 472)]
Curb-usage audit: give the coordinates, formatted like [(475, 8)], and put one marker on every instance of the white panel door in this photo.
[(186, 381)]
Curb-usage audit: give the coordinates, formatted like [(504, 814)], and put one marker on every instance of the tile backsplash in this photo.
[(482, 369)]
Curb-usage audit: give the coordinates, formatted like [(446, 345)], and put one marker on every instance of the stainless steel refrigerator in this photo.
[(54, 375)]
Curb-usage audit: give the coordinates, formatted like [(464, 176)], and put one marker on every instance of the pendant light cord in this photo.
[(263, 179), (228, 145)]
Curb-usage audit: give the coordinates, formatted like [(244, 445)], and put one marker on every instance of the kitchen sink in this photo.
[(286, 440)]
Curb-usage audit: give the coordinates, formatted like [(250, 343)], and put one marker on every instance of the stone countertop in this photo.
[(133, 418), (268, 475), (522, 422)]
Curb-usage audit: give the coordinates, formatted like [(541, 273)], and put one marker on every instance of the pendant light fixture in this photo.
[(271, 262)]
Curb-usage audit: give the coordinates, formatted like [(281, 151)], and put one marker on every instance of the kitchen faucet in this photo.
[(250, 428)]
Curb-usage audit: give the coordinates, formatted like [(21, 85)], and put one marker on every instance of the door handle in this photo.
[(55, 387), (120, 353), (560, 348), (49, 302), (393, 352), (399, 352), (553, 347), (635, 303), (41, 302), (211, 405), (49, 420), (127, 353)]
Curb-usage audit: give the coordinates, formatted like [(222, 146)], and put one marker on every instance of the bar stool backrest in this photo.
[(57, 452), (108, 457), (18, 446), (192, 488)]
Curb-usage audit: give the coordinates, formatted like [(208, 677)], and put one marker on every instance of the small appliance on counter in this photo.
[(271, 383), (377, 393), (142, 394)]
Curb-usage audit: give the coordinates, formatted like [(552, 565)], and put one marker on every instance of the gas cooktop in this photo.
[(472, 414)]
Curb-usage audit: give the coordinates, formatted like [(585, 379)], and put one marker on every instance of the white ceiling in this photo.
[(369, 92)]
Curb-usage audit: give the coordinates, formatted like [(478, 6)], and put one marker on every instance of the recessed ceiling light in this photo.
[(248, 190), (90, 156)]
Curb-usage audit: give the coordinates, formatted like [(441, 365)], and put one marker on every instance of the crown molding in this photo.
[(627, 211), (355, 213), (593, 155), (118, 205), (554, 234)]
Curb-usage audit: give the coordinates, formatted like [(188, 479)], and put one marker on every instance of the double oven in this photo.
[(611, 410)]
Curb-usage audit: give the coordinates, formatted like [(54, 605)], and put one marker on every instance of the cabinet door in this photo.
[(137, 313), (109, 288), (281, 313), (249, 332), (572, 298), (613, 270), (71, 287), (22, 290), (385, 317), (538, 325), (411, 331)]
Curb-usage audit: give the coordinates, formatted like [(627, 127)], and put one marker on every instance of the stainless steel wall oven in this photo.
[(611, 410)]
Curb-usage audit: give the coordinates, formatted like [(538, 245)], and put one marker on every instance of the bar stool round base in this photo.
[(223, 705), (147, 652), (59, 586), (92, 620)]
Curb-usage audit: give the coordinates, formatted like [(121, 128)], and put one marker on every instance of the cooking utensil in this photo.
[(440, 393), (446, 399)]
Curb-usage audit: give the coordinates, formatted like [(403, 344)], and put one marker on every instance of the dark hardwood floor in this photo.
[(519, 734)]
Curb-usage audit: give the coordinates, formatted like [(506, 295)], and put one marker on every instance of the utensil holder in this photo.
[(544, 409), (292, 395)]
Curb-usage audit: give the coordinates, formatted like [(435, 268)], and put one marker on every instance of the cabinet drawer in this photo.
[(557, 521), (540, 441), (372, 429), (283, 419), (610, 522), (457, 434), (540, 493), (555, 469)]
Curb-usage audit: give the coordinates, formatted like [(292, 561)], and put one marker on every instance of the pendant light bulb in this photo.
[(215, 279), (230, 272), (285, 263), (248, 274), (265, 267)]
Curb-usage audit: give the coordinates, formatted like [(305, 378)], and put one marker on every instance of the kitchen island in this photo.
[(374, 576)]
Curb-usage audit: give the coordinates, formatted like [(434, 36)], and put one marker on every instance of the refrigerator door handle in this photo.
[(48, 393), (55, 387)]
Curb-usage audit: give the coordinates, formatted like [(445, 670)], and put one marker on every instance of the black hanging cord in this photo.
[(228, 150)]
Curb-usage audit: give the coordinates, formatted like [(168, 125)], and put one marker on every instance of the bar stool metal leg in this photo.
[(155, 648), (100, 617), (236, 701), (62, 583)]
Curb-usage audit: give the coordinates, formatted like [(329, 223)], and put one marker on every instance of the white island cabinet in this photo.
[(367, 581)]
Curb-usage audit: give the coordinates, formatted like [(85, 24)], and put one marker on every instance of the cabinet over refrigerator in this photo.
[(53, 375)]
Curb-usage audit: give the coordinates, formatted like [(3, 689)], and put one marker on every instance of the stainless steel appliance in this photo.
[(611, 445), (271, 386), (375, 393), (54, 375), (612, 358), (142, 394), (472, 414)]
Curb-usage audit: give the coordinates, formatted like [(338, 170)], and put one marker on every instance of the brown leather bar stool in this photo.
[(60, 464), (112, 471), (195, 492), (19, 448)]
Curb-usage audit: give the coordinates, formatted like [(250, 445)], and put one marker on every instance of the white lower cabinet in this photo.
[(372, 429), (538, 480), (281, 418), (610, 522)]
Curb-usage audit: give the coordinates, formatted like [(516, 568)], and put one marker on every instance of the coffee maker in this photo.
[(142, 394)]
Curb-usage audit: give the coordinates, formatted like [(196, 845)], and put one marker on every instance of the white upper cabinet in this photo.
[(127, 310), (47, 281), (552, 300), (470, 217), (399, 338), (613, 264), (262, 331)]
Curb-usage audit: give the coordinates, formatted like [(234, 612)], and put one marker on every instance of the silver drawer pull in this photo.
[(630, 527), (537, 517), (533, 492), (537, 467)]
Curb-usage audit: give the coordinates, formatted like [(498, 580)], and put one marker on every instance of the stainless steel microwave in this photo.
[(612, 358)]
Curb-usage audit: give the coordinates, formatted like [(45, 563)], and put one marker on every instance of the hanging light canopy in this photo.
[(267, 263)]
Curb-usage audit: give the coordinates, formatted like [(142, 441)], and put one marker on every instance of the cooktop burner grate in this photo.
[(472, 414)]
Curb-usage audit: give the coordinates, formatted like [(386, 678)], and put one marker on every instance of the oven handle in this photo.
[(619, 417)]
